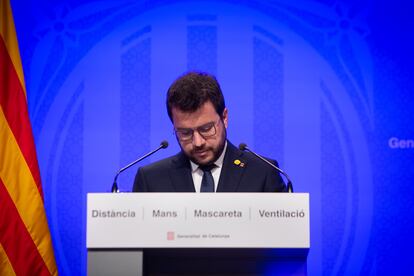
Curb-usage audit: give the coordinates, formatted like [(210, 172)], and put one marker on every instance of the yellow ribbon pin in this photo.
[(239, 163)]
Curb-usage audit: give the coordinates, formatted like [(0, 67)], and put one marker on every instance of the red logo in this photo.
[(170, 236)]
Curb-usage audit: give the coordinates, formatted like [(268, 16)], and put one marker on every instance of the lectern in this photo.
[(197, 234)]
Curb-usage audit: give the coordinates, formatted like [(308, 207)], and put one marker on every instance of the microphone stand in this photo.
[(289, 185), (115, 189)]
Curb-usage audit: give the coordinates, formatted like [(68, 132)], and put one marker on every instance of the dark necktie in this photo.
[(207, 183)]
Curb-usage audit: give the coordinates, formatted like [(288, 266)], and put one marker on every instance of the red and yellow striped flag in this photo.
[(25, 243)]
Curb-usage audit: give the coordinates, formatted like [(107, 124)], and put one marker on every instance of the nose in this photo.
[(198, 140)]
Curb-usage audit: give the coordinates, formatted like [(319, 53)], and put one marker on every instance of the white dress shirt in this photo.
[(197, 173)]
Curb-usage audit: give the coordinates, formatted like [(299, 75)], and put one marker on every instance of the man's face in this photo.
[(202, 149)]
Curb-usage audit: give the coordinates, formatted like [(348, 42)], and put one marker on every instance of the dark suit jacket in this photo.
[(173, 174)]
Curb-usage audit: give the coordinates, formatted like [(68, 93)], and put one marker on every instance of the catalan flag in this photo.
[(25, 243)]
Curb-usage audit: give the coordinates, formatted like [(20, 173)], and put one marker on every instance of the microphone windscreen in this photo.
[(164, 144), (242, 146)]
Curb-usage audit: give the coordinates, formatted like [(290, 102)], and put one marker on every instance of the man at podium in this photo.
[(207, 162)]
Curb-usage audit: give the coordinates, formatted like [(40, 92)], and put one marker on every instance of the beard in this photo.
[(212, 153)]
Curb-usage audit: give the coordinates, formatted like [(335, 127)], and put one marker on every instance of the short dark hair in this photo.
[(193, 89)]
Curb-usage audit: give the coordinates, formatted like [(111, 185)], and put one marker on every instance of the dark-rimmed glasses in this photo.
[(206, 131)]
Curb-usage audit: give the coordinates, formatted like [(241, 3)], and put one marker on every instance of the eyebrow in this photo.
[(188, 128)]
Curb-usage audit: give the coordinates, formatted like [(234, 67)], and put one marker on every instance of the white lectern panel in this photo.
[(194, 220)]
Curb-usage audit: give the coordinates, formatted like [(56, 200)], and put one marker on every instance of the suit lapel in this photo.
[(180, 174), (231, 172)]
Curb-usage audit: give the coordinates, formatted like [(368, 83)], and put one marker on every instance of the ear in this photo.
[(225, 117)]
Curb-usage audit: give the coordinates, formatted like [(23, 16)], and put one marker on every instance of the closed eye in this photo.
[(206, 127)]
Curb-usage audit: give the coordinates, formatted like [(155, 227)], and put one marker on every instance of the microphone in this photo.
[(244, 147), (163, 145)]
